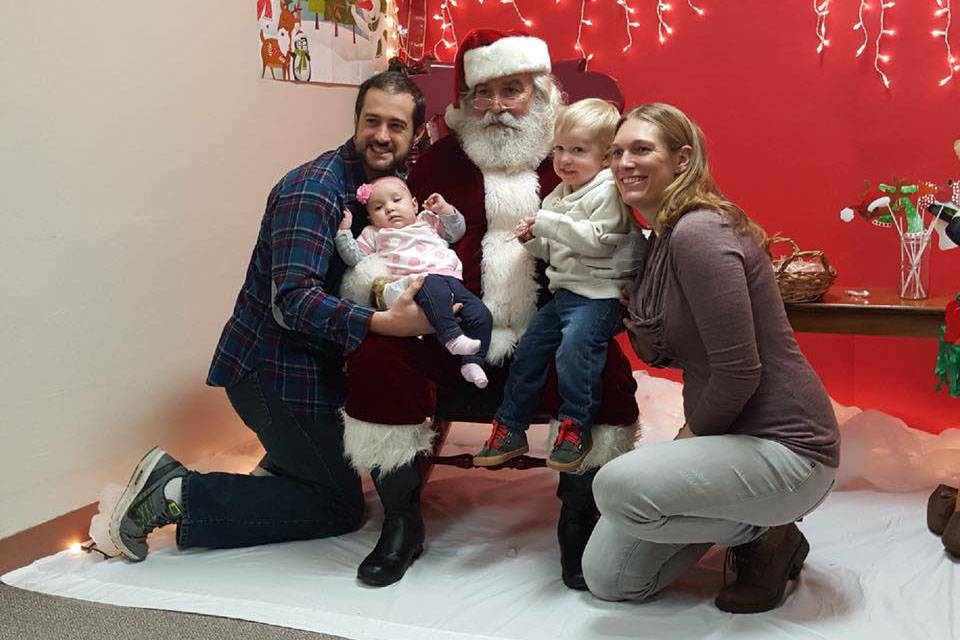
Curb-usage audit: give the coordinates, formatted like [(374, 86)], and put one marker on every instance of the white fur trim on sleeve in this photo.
[(505, 57)]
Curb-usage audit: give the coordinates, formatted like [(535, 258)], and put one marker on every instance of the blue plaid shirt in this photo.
[(288, 323)]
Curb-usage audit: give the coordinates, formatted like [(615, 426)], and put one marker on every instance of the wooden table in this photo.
[(882, 313)]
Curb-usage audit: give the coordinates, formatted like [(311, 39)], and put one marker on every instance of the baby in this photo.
[(414, 244), (582, 225)]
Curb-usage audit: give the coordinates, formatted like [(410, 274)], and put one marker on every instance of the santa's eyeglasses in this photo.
[(508, 102)]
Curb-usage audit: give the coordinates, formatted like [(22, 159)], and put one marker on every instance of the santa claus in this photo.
[(493, 167)]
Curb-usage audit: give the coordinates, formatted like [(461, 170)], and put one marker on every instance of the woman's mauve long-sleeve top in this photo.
[(708, 303)]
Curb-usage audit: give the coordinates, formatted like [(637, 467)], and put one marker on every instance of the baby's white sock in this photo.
[(472, 372), (463, 346)]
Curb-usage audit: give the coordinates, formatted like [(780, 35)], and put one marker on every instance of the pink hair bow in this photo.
[(363, 192)]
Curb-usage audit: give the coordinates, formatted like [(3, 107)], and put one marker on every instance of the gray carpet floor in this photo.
[(26, 615)]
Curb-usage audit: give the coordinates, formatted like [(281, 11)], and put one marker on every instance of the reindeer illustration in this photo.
[(290, 19), (273, 56)]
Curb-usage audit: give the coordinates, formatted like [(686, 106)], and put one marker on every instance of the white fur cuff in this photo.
[(368, 445), (358, 280), (609, 441)]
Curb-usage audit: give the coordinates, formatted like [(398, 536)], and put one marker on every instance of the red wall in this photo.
[(792, 136)]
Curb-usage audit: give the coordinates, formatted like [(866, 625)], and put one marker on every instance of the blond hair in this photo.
[(694, 188), (598, 118)]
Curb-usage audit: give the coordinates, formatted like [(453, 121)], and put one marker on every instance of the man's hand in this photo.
[(346, 222), (436, 204), (524, 229), (625, 262), (405, 318)]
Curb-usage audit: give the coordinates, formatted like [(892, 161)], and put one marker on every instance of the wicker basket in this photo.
[(801, 286)]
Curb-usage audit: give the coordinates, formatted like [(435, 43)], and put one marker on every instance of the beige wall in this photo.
[(137, 146)]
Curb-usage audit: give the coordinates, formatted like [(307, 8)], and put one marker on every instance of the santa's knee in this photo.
[(370, 446)]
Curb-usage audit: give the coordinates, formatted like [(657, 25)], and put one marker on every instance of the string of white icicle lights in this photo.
[(883, 31), (445, 17), (578, 44), (628, 22), (946, 13), (663, 29), (822, 9), (516, 9), (861, 26)]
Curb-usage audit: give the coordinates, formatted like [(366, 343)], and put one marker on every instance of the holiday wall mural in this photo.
[(337, 41)]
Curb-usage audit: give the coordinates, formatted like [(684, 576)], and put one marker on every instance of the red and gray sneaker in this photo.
[(502, 445), (570, 448)]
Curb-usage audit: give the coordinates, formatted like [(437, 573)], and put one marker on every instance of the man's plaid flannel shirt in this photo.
[(288, 322)]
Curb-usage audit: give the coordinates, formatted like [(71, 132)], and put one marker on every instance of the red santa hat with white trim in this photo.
[(485, 54)]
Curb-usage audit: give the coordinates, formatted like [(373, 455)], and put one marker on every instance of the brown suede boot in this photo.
[(763, 567), (940, 506), (951, 535)]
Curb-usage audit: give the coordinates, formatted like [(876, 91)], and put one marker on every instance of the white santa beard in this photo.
[(520, 144)]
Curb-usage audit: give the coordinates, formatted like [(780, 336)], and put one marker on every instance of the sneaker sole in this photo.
[(137, 480), (567, 466), (492, 461)]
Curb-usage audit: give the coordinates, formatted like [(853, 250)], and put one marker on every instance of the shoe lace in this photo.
[(567, 432), (499, 433), (149, 520)]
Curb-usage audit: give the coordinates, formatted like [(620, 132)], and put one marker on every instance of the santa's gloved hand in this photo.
[(625, 262)]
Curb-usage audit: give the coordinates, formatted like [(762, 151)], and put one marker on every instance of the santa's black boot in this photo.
[(401, 538), (578, 515)]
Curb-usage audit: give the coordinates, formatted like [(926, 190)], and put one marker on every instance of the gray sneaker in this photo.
[(570, 448), (502, 445), (143, 507)]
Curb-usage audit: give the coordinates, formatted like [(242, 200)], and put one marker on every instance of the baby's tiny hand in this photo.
[(346, 222), (436, 204)]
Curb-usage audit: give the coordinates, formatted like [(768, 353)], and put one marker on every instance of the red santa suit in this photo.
[(391, 382)]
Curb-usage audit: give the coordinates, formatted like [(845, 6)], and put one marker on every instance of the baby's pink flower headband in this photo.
[(363, 192)]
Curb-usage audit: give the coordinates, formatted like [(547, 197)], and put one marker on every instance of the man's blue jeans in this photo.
[(575, 330), (314, 492)]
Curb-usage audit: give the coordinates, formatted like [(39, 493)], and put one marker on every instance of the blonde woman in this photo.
[(760, 445)]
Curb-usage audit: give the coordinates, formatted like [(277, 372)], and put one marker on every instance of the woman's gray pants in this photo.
[(662, 506)]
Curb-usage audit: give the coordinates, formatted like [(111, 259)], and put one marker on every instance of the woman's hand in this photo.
[(684, 433), (346, 222)]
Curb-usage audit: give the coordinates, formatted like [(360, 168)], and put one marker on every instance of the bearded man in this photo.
[(494, 169)]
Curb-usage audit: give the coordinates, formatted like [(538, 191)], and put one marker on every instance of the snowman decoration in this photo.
[(368, 17)]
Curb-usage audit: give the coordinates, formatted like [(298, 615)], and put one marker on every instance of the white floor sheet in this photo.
[(491, 570)]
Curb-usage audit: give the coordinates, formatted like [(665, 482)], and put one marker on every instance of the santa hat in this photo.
[(485, 54)]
